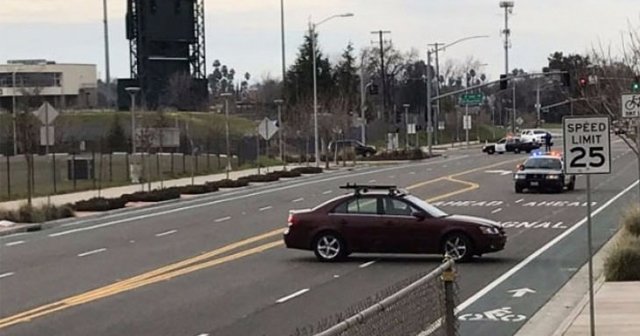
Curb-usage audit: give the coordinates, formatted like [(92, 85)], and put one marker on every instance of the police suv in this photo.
[(543, 171)]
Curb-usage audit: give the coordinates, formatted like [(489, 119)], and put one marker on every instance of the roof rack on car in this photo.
[(359, 189)]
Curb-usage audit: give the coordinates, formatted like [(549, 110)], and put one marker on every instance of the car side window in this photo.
[(395, 207), (502, 141), (358, 205)]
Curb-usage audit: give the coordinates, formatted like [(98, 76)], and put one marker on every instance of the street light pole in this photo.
[(363, 102), (429, 102), (132, 93), (406, 124), (279, 102), (312, 31), (508, 9), (13, 108), (226, 96), (106, 53)]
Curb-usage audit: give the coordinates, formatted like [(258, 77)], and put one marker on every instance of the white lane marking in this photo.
[(265, 208), (372, 181), (289, 297), (298, 200), (327, 192), (166, 233), (203, 334), (8, 274), (537, 253), (223, 219), (392, 176), (412, 173), (14, 243), (496, 210), (367, 264), (91, 252), (239, 197), (520, 200), (478, 295)]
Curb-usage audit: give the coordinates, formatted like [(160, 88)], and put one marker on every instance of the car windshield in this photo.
[(543, 163), (430, 209)]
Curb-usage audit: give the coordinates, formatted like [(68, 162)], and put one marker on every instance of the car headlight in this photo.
[(521, 176), (553, 177), (489, 230)]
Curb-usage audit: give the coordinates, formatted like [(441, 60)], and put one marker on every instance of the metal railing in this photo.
[(425, 304)]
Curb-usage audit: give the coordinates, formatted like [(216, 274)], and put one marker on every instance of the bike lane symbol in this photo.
[(503, 314)]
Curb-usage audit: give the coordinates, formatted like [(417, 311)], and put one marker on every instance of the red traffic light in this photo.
[(583, 81)]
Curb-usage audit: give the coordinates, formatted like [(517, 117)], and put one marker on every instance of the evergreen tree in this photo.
[(299, 77), (116, 139)]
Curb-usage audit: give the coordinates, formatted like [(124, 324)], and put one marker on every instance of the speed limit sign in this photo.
[(587, 145)]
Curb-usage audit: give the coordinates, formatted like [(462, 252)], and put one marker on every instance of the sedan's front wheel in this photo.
[(458, 246), (329, 247)]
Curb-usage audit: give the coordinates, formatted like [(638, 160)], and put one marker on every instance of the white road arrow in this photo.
[(501, 172), (521, 292)]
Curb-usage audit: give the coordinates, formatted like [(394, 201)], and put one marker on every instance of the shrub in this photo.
[(307, 170), (226, 183), (631, 221), (288, 173), (404, 154), (27, 214), (623, 261), (198, 189), (270, 177), (100, 204), (157, 195)]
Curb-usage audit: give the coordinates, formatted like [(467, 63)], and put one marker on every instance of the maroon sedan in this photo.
[(384, 219)]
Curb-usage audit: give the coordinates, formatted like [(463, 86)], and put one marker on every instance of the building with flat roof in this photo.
[(62, 85)]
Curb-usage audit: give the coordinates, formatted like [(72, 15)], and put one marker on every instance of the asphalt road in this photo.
[(216, 265)]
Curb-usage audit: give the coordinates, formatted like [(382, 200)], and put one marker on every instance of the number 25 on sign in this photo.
[(587, 145)]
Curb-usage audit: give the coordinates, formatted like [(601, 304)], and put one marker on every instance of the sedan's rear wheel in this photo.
[(329, 247), (458, 246)]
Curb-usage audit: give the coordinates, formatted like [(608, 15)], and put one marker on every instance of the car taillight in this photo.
[(292, 220)]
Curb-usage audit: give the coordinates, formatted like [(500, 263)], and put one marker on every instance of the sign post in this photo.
[(587, 150), (631, 110)]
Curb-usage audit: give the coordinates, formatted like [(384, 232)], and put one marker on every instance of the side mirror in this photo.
[(520, 167), (419, 215)]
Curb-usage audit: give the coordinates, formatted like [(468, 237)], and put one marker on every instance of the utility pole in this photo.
[(429, 102), (436, 47), (383, 76), (106, 53), (513, 118), (363, 102), (508, 9), (14, 116), (538, 104), (406, 124)]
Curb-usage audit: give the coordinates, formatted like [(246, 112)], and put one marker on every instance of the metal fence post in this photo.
[(93, 167), (110, 167), (127, 167), (9, 176), (448, 277), (73, 170), (55, 174)]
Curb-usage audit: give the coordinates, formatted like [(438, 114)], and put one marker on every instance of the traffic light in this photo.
[(583, 81), (635, 86), (566, 79), (504, 82), (373, 89)]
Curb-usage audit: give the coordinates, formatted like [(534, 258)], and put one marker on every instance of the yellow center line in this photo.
[(189, 265)]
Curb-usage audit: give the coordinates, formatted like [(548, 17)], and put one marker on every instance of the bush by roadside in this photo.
[(157, 195), (241, 182), (100, 204), (403, 154), (27, 214), (270, 177), (287, 173), (307, 170), (198, 189), (631, 221), (623, 260)]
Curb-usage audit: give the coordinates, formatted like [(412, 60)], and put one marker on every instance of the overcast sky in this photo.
[(245, 34)]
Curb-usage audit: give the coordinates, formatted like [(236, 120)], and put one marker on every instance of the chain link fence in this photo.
[(422, 305)]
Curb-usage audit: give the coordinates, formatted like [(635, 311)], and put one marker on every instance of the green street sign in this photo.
[(471, 99)]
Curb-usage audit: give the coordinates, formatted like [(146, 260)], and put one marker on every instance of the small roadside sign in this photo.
[(587, 145), (46, 113), (441, 125), (519, 121), (630, 106), (267, 128), (466, 122), (411, 128)]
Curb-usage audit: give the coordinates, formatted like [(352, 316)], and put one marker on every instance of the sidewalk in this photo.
[(617, 305)]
